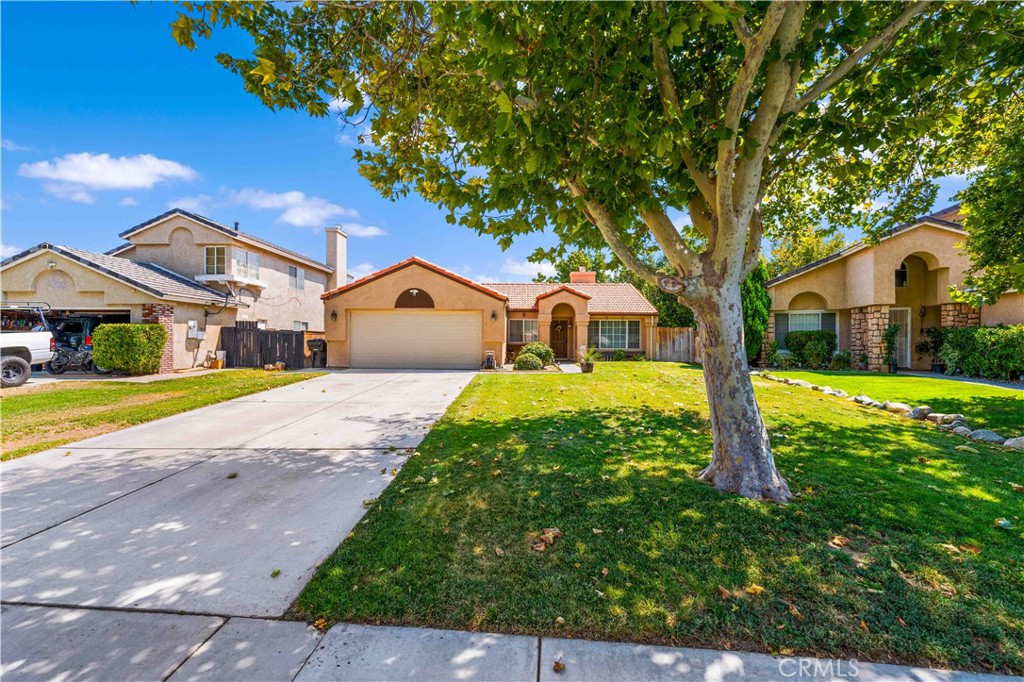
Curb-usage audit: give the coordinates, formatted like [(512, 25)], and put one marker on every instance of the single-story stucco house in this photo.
[(189, 273), (415, 314), (902, 279)]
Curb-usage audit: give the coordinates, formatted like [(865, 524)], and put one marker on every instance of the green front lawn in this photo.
[(889, 554), (986, 407), (54, 414)]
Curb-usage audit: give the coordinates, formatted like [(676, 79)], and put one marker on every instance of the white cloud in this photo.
[(359, 230), (362, 270), (69, 192), (197, 204), (353, 136), (8, 250), (102, 171), (11, 146), (525, 268), (128, 201), (299, 209)]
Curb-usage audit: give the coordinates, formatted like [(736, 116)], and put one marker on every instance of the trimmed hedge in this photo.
[(540, 350), (132, 348), (989, 352), (822, 343), (528, 362)]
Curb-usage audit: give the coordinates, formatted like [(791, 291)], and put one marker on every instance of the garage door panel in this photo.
[(415, 340)]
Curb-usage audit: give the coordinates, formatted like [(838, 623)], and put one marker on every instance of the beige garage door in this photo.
[(416, 340)]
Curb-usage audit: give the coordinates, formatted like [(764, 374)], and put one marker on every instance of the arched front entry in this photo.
[(563, 318)]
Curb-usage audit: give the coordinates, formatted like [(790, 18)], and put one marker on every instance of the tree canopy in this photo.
[(993, 205), (796, 249)]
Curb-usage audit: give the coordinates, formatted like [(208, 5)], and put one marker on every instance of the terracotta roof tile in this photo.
[(608, 299)]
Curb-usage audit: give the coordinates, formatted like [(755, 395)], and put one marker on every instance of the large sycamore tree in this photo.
[(595, 119)]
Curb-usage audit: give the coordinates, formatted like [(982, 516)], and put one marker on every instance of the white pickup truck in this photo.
[(25, 340)]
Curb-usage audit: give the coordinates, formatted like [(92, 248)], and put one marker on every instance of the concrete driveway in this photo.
[(221, 512)]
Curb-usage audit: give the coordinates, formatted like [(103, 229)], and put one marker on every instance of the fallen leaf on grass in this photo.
[(1017, 488), (923, 460), (902, 622), (499, 551), (560, 620), (864, 626), (726, 594), (754, 590), (973, 549), (370, 502), (966, 448), (596, 531), (795, 612), (539, 546), (604, 572)]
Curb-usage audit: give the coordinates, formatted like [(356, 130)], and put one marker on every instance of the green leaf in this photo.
[(504, 103)]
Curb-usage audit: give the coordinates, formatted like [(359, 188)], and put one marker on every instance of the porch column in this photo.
[(544, 328), (867, 327), (582, 335)]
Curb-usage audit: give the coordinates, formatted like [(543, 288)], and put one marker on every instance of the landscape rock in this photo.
[(897, 408), (1015, 443), (962, 431), (801, 383), (950, 418), (959, 422), (840, 393), (935, 417), (875, 404), (985, 436), (920, 412), (862, 399), (816, 387)]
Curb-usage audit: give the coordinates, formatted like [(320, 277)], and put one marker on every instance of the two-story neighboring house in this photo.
[(191, 274)]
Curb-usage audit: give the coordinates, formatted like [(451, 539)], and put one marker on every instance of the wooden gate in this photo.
[(246, 345), (676, 344)]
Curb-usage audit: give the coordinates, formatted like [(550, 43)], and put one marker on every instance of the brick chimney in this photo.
[(582, 277), (337, 256)]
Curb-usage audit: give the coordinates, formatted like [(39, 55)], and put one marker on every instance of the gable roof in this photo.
[(605, 299), (147, 277), (405, 264), (567, 288), (948, 219), (230, 231)]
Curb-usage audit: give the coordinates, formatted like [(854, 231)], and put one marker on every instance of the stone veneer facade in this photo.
[(163, 314), (959, 315), (867, 327)]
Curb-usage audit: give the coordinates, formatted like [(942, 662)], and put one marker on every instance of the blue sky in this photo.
[(106, 122)]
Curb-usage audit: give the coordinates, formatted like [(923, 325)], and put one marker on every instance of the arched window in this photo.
[(414, 298), (901, 275)]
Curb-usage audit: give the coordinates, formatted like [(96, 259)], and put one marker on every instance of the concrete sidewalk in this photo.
[(81, 644)]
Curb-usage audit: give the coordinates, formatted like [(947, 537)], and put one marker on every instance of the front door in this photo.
[(560, 338), (901, 316)]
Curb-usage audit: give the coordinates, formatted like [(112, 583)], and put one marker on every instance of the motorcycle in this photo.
[(66, 357)]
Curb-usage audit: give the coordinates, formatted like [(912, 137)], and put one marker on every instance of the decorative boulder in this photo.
[(962, 431), (986, 436), (862, 399), (935, 417), (959, 422), (801, 383), (950, 418), (920, 412), (875, 404), (896, 408), (839, 393), (1014, 444)]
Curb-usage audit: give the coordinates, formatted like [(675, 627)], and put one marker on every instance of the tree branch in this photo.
[(743, 31), (883, 38), (670, 102), (599, 216), (672, 245)]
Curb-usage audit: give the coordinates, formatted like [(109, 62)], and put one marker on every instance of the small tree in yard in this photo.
[(594, 119)]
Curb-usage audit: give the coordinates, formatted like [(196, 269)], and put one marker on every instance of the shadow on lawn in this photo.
[(852, 568)]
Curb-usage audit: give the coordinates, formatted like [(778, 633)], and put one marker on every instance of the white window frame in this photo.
[(247, 264), (220, 260), (529, 330), (296, 281), (300, 326), (596, 343), (819, 313)]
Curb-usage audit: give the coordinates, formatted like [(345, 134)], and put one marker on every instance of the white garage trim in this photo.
[(415, 339)]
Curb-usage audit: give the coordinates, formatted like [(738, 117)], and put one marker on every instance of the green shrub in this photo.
[(797, 343), (771, 356), (816, 352), (841, 361), (132, 348), (787, 361), (527, 362), (990, 352), (640, 357), (540, 350), (889, 341), (619, 355)]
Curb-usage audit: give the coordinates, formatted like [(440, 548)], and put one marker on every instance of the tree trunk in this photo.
[(742, 461)]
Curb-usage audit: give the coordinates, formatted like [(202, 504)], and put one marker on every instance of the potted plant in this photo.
[(889, 337), (587, 360), (930, 344)]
